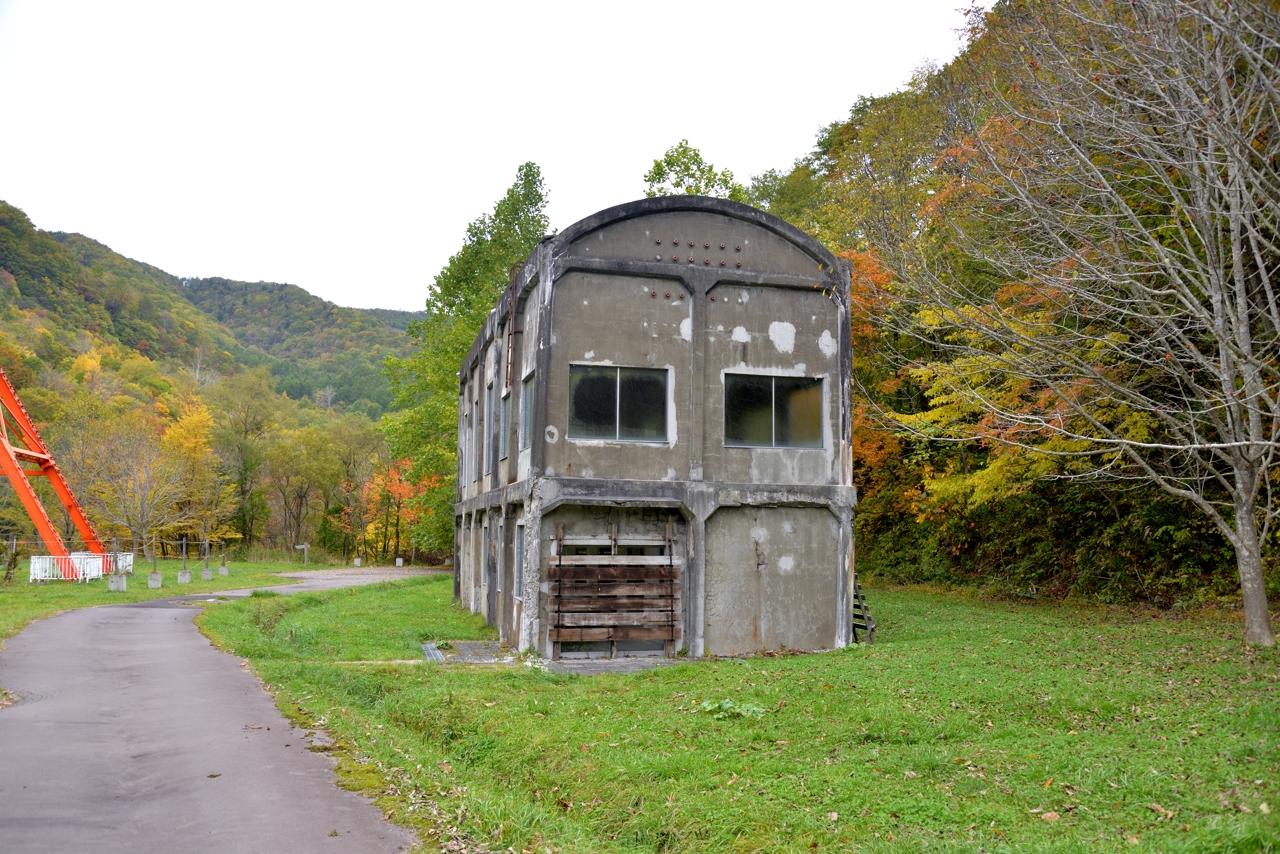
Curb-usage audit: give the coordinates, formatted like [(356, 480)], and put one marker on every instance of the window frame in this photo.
[(773, 410), (617, 404), (526, 411), (504, 426), (475, 441), (488, 428)]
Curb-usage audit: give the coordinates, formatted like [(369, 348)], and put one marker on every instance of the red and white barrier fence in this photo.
[(79, 566)]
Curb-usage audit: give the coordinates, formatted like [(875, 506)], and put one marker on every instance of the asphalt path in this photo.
[(132, 733)]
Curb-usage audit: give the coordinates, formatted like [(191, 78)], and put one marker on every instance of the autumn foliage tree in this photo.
[(1097, 279)]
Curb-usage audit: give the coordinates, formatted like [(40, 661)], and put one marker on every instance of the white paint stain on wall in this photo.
[(590, 354), (783, 336), (686, 329), (786, 564), (826, 343), (740, 334)]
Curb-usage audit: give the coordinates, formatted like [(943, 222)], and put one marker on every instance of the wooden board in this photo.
[(614, 634), (615, 618), (614, 560), (612, 573), (608, 541), (575, 589), (599, 604)]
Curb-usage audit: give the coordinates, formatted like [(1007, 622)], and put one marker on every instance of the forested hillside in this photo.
[(309, 344), (255, 431), (318, 345)]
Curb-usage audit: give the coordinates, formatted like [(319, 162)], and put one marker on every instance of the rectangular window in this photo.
[(629, 404), (488, 429), (475, 440), (772, 412), (501, 555), (518, 584), (463, 441), (526, 412), (505, 427)]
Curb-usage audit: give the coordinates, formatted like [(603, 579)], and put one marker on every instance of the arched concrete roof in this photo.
[(703, 204)]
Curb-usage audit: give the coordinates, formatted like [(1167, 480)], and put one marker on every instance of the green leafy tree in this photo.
[(682, 171), (246, 413), (425, 430)]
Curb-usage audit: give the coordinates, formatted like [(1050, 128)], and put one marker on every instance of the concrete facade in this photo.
[(755, 537)]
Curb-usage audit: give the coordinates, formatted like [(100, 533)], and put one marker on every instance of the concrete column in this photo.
[(844, 580)]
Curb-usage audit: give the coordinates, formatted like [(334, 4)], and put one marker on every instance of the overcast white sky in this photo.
[(344, 147)]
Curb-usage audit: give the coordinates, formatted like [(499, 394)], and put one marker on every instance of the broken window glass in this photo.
[(797, 412), (593, 402), (772, 412), (748, 410), (617, 403), (642, 405)]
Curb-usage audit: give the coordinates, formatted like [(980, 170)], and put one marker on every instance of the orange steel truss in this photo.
[(21, 446)]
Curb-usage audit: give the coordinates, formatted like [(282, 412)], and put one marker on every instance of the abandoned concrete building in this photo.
[(653, 448)]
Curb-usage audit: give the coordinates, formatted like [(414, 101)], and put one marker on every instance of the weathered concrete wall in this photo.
[(770, 579), (675, 237), (779, 332), (613, 320)]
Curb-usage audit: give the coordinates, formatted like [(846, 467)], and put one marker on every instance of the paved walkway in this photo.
[(133, 734)]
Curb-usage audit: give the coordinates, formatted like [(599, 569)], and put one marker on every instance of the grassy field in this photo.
[(971, 726), (20, 602)]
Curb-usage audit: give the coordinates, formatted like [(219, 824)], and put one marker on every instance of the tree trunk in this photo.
[(1253, 584)]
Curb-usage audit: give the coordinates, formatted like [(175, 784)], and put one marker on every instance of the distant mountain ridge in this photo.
[(56, 288), (286, 321)]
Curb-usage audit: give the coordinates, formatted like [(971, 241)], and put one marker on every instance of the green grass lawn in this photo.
[(971, 726), (20, 602)]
